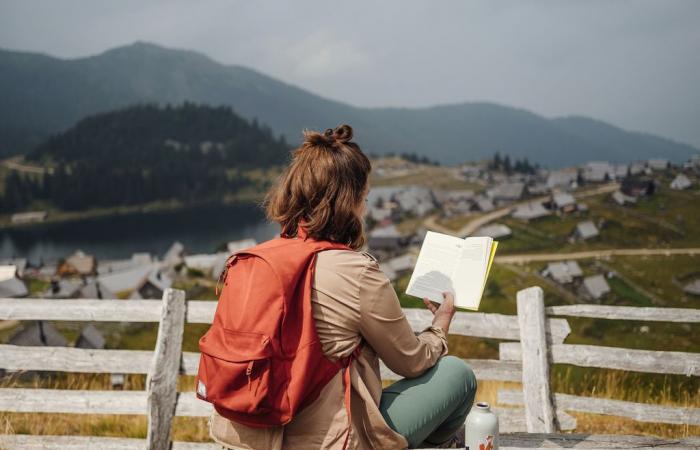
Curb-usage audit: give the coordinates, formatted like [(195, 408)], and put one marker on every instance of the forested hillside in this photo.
[(145, 153)]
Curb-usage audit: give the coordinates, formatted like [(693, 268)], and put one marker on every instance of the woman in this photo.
[(325, 186)]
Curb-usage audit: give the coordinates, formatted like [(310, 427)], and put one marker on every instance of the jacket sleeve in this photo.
[(386, 329)]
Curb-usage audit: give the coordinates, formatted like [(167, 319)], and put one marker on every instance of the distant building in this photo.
[(484, 204), (562, 179), (118, 265), (10, 284), (173, 256), (596, 286), (64, 288), (681, 182), (78, 263), (208, 264), (28, 217), (386, 238), (638, 186), (620, 171), (622, 199), (507, 192), (693, 287), (530, 211), (152, 287), (598, 171), (586, 230), (90, 337), (396, 267), (19, 263), (658, 164), (235, 246), (93, 289), (563, 272), (495, 231), (38, 334), (563, 202)]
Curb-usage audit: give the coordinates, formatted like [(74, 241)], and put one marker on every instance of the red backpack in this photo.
[(261, 360)]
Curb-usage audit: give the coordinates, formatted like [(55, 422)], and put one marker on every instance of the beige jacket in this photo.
[(352, 298)]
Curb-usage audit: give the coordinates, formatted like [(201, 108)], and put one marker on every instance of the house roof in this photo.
[(495, 231), (402, 263), (82, 263), (680, 182), (125, 280), (562, 199), (563, 271), (596, 286), (7, 272), (507, 191), (173, 255), (63, 288), (39, 334), (19, 263), (389, 231), (561, 178), (235, 246), (621, 198), (484, 204), (693, 287), (95, 290), (90, 337), (586, 229), (13, 288), (530, 210)]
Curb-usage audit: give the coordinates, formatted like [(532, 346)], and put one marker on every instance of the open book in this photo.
[(450, 264)]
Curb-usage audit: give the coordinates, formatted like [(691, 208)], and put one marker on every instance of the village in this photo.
[(501, 201)]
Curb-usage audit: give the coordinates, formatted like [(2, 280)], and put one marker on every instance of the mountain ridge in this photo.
[(45, 95)]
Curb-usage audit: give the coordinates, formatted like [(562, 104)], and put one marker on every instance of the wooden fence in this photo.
[(537, 342)]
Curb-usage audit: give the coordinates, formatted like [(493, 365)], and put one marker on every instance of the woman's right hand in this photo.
[(443, 312)]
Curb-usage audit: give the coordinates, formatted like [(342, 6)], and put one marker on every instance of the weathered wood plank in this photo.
[(27, 442), (686, 315), (539, 412), (80, 310), (512, 420), (484, 369), (73, 401), (521, 441), (642, 412), (69, 359), (497, 326), (23, 400), (651, 361), (508, 441), (161, 381)]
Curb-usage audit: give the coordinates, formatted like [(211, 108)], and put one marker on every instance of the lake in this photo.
[(201, 229)]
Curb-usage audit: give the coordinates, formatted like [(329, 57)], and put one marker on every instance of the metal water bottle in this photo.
[(481, 428)]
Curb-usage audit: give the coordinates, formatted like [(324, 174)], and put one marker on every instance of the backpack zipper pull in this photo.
[(248, 373)]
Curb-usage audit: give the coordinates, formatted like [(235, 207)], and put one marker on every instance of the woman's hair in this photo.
[(322, 186)]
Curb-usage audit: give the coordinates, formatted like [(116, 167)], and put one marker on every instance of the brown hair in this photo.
[(322, 185)]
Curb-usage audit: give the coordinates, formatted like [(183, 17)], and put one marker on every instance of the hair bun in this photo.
[(341, 134)]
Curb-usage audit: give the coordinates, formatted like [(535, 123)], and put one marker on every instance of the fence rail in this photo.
[(537, 342)]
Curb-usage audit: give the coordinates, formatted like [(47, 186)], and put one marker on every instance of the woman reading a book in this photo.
[(325, 188)]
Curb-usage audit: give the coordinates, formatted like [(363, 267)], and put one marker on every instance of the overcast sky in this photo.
[(634, 63)]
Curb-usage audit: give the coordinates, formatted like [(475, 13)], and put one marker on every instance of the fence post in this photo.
[(161, 382), (539, 412)]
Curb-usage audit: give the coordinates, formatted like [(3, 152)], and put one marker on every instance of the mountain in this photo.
[(43, 95), (146, 153)]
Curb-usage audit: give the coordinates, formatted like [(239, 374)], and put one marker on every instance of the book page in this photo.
[(469, 279), (437, 263)]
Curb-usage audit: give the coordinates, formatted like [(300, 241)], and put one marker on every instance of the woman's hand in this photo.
[(443, 312)]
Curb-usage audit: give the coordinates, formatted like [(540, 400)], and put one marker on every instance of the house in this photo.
[(90, 337), (638, 186), (39, 333), (563, 272), (28, 217), (530, 211), (598, 171), (680, 182), (507, 192), (595, 286), (658, 164), (693, 287), (64, 288), (416, 200), (620, 171), (563, 179), (19, 263), (563, 202), (495, 231), (10, 284), (484, 204), (380, 214), (173, 256), (242, 244), (152, 287), (622, 199), (586, 230), (208, 264), (386, 238), (78, 263), (93, 289), (117, 265), (636, 168)]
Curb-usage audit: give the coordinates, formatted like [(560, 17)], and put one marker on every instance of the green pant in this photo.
[(432, 407)]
